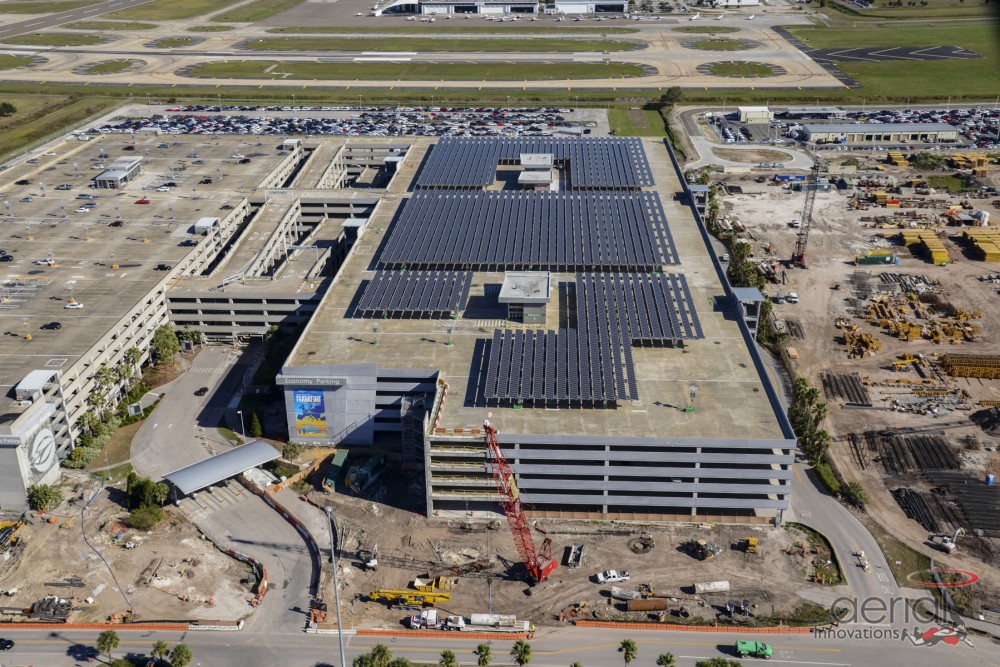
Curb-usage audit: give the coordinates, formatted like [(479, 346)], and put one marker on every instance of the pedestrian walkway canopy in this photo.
[(212, 470)]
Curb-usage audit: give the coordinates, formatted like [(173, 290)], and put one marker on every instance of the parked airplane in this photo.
[(720, 17), (695, 17), (750, 18)]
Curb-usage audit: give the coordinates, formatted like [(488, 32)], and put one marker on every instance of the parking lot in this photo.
[(359, 121)]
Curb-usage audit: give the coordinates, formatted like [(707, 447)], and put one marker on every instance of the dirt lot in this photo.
[(410, 546), (829, 289), (170, 574)]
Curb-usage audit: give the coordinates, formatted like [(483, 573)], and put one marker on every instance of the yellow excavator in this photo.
[(408, 597)]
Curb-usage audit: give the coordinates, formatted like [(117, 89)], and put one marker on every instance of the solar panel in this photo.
[(493, 230), (591, 162), (643, 307), (398, 293)]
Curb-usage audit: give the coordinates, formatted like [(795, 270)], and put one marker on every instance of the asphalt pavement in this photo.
[(183, 428), (41, 22), (594, 647)]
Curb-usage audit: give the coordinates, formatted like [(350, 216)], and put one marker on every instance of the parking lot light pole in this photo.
[(243, 432), (336, 586)]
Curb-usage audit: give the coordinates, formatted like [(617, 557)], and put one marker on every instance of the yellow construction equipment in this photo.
[(408, 597), (434, 585), (750, 545), (8, 529)]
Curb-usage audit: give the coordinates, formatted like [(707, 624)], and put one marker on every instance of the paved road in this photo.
[(41, 22), (589, 646), (182, 429)]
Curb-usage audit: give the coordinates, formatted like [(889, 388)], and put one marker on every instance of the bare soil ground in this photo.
[(839, 234), (171, 574), (410, 546)]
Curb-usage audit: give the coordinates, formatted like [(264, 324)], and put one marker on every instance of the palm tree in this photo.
[(628, 649), (399, 662), (133, 356), (160, 650), (521, 652), (448, 659), (576, 664), (484, 655), (123, 373), (381, 655), (666, 660), (88, 421), (107, 642)]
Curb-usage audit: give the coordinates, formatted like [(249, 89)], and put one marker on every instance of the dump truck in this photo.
[(753, 649)]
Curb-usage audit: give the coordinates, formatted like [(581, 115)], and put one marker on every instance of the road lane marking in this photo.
[(795, 469)]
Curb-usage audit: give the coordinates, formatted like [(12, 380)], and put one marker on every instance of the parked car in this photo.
[(6, 644), (6, 258), (612, 576), (74, 305), (25, 200), (163, 267), (64, 186), (753, 649), (52, 326), (23, 181), (142, 201), (116, 223), (45, 262), (187, 243), (201, 392)]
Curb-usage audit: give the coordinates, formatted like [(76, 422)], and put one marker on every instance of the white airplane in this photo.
[(750, 18), (695, 17), (720, 17)]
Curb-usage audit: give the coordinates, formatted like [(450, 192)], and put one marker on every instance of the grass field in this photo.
[(938, 78), (54, 39), (414, 71), (453, 30), (47, 7), (740, 69), (257, 10), (934, 9), (109, 25), (39, 116), (10, 62), (170, 10), (434, 45), (109, 67), (636, 123), (721, 44), (211, 28), (705, 29), (174, 42)]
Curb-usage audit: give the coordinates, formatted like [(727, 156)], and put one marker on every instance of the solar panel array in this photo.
[(593, 162), (649, 307), (556, 231), (391, 292), (568, 365)]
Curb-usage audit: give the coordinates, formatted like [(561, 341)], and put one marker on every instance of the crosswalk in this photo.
[(208, 370)]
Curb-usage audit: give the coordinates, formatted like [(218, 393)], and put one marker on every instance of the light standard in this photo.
[(336, 585), (243, 432), (693, 390)]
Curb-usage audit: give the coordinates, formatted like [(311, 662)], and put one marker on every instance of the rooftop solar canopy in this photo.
[(396, 292), (650, 307), (574, 365), (591, 162), (523, 230)]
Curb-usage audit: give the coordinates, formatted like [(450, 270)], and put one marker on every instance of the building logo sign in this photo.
[(41, 454), (310, 413)]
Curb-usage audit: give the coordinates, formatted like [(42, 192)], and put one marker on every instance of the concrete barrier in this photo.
[(694, 628)]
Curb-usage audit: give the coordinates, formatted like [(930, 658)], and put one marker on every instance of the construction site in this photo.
[(895, 319), (394, 563), (57, 568)]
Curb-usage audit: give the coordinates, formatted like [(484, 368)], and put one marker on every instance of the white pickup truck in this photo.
[(612, 577)]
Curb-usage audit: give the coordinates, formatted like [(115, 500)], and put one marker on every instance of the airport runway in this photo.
[(42, 22)]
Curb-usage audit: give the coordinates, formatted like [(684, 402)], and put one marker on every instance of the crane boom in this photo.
[(539, 565), (799, 256)]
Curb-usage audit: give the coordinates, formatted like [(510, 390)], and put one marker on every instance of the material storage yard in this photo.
[(896, 321)]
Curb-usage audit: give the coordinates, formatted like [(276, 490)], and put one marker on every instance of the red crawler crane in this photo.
[(539, 564)]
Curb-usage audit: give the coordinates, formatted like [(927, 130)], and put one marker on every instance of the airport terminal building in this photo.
[(450, 8), (578, 319)]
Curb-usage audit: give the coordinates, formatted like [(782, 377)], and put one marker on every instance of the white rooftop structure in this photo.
[(526, 287), (223, 466), (33, 383)]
